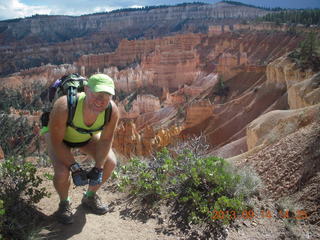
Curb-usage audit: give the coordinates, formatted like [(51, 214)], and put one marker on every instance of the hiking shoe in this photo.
[(94, 204), (64, 214)]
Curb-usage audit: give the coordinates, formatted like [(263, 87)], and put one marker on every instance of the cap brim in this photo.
[(103, 88)]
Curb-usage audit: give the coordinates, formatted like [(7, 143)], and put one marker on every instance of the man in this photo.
[(60, 138)]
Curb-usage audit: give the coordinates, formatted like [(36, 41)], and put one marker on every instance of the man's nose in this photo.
[(101, 100)]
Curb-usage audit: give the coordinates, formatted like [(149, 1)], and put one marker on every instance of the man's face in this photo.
[(97, 102)]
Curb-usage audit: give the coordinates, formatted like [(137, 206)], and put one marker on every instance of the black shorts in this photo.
[(76, 145)]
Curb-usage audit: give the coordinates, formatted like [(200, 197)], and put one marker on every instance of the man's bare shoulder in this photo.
[(61, 105), (114, 105), (115, 110), (59, 116)]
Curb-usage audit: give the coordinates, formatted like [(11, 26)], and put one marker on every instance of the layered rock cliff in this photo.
[(303, 97), (302, 85), (37, 40), (167, 62)]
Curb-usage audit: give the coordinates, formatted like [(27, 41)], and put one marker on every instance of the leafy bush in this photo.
[(19, 191), (195, 184)]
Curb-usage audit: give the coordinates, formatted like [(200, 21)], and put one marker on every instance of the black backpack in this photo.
[(70, 85)]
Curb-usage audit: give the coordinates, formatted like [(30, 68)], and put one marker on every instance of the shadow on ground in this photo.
[(172, 221), (55, 230)]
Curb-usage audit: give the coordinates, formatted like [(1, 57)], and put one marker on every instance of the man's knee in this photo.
[(61, 174), (111, 161)]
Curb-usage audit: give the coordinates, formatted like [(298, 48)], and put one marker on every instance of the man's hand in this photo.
[(79, 176), (95, 176)]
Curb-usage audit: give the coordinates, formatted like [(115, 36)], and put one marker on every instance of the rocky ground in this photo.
[(290, 175)]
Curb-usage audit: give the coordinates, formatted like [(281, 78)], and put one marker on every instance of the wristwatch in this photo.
[(74, 167)]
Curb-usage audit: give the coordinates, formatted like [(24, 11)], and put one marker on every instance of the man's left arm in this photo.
[(106, 138)]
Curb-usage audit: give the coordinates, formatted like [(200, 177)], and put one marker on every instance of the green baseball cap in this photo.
[(101, 83)]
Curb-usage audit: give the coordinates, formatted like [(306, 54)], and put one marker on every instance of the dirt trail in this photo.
[(113, 225)]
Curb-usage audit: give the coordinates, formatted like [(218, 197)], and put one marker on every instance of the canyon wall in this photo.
[(41, 39), (263, 26), (167, 62), (198, 112), (303, 97), (302, 86), (274, 125), (58, 28), (171, 62)]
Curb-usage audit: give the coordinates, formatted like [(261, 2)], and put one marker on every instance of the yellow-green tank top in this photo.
[(73, 135)]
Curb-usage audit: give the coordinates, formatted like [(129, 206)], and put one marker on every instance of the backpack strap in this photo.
[(72, 110), (72, 100), (107, 114)]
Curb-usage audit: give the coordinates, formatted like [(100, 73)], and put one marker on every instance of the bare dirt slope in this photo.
[(291, 167), (290, 173)]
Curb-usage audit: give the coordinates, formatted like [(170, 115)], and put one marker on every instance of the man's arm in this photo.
[(105, 142), (57, 128)]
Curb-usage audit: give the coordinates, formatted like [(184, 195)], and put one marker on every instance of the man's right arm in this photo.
[(57, 128)]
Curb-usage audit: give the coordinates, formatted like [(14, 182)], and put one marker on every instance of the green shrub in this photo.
[(19, 191), (196, 185)]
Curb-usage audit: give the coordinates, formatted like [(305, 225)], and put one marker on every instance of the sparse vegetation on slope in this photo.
[(148, 8), (306, 17), (249, 5), (307, 56), (221, 89)]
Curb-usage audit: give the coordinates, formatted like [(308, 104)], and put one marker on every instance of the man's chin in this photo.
[(98, 110)]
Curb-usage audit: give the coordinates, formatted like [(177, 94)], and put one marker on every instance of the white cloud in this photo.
[(108, 9), (102, 9), (136, 6), (81, 10), (16, 9)]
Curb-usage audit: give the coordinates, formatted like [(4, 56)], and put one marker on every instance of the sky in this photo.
[(23, 8)]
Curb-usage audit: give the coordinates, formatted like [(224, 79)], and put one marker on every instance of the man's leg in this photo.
[(109, 165), (61, 182), (91, 199), (61, 179)]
